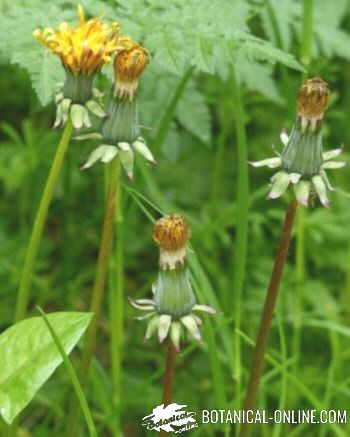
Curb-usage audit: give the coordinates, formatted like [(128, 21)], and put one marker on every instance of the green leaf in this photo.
[(193, 113), (44, 69), (29, 356)]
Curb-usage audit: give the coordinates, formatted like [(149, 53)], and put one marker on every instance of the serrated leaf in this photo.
[(29, 356), (257, 77), (44, 69), (259, 49), (280, 14), (193, 113)]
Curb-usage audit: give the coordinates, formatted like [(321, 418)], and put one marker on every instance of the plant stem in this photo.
[(102, 265), (116, 308), (240, 248), (99, 283), (169, 376), (307, 32), (305, 55), (300, 278), (265, 324), (40, 219)]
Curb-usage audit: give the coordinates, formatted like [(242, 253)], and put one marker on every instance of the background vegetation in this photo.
[(203, 53)]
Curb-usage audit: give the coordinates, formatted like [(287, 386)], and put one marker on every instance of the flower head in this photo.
[(130, 63), (120, 129), (171, 232), (173, 309), (312, 101), (85, 48), (302, 159)]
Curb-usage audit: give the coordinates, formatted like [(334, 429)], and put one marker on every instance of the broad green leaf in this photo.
[(29, 356)]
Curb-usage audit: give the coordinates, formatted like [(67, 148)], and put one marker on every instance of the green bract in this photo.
[(120, 134), (303, 165)]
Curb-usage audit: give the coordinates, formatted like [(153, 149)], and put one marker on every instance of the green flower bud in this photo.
[(302, 160), (173, 293)]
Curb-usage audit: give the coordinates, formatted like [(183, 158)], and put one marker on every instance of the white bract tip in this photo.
[(105, 153), (284, 137), (77, 114), (333, 164), (270, 162), (127, 158), (302, 192), (332, 153), (142, 304), (59, 113), (152, 327), (326, 180), (280, 182), (175, 334), (163, 327), (190, 323), (294, 177), (140, 146), (65, 104), (95, 108), (205, 308), (321, 190)]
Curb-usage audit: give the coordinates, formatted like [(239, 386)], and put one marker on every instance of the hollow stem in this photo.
[(265, 324), (102, 266), (40, 220), (99, 283), (240, 248), (169, 376), (305, 55), (116, 309)]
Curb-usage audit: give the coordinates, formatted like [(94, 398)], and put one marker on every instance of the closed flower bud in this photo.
[(172, 311), (128, 67), (302, 159), (312, 102), (120, 128)]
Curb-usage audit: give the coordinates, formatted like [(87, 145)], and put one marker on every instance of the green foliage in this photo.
[(189, 125), (179, 35), (30, 356)]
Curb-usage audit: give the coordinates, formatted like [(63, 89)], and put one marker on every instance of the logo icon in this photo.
[(172, 418)]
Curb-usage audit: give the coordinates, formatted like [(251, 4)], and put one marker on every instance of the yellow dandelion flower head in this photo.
[(85, 48), (130, 61)]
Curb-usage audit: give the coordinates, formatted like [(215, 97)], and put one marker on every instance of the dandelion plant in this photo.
[(120, 136), (83, 51), (303, 164), (173, 311)]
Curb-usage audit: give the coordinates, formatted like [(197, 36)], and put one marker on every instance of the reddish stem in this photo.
[(267, 315)]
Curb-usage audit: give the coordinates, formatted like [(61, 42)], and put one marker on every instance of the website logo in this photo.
[(172, 418)]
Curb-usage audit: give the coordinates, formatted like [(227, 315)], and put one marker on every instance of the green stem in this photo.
[(40, 219), (116, 309), (269, 307), (307, 32), (240, 248), (305, 55), (99, 283), (73, 376), (300, 278)]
